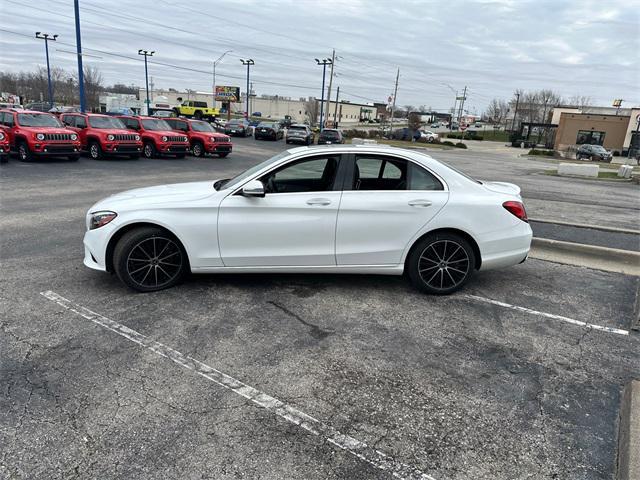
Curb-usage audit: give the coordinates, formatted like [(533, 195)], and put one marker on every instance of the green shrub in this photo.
[(461, 145), (467, 135), (447, 142), (352, 132)]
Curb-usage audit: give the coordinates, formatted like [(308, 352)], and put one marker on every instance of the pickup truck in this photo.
[(197, 110)]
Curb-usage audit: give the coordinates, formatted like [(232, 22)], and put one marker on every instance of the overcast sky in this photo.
[(574, 47)]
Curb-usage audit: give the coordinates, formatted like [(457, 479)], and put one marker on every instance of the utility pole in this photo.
[(453, 112), (46, 37), (76, 8), (324, 63), (146, 54), (333, 61), (215, 62), (335, 111), (464, 97), (393, 106), (516, 111), (250, 95), (248, 63)]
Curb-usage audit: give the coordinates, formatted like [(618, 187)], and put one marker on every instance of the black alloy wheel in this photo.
[(95, 151), (24, 154), (149, 259), (441, 263), (149, 150), (197, 149)]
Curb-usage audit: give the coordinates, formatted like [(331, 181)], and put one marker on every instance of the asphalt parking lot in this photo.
[(289, 376)]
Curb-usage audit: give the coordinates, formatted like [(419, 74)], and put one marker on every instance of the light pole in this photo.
[(248, 63), (513, 122), (146, 54), (46, 37), (324, 63), (76, 9), (215, 62)]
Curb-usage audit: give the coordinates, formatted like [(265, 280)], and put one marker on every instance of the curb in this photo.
[(591, 256), (628, 458), (586, 225)]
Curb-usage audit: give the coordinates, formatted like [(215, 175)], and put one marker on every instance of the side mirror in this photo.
[(254, 188)]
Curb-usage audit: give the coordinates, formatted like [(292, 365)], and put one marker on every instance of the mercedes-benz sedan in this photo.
[(337, 209)]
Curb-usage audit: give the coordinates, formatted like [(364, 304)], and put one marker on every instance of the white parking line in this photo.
[(329, 434), (548, 315)]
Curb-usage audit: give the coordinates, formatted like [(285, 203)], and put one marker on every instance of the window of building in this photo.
[(590, 137)]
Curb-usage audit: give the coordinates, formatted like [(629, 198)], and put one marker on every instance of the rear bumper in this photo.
[(506, 247), (297, 139)]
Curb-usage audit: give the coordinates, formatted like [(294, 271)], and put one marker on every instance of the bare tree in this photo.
[(312, 110), (92, 86), (581, 101), (548, 99), (496, 112)]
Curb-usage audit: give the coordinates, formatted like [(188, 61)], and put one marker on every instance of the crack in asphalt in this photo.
[(314, 330)]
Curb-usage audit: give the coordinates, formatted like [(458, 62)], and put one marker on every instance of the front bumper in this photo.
[(53, 149), (219, 147), (95, 247), (173, 148), (123, 148)]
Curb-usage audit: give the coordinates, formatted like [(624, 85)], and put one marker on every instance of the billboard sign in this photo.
[(227, 94)]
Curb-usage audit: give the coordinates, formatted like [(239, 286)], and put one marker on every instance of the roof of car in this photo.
[(350, 148), (20, 110)]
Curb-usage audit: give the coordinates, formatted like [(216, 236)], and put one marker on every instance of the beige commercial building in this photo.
[(613, 132)]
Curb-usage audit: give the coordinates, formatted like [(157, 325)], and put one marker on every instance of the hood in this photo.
[(502, 187), (161, 195), (47, 130), (172, 133)]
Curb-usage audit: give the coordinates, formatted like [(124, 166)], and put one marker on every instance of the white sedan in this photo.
[(338, 209)]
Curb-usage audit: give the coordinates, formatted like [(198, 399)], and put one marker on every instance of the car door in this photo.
[(6, 122), (385, 202), (292, 225)]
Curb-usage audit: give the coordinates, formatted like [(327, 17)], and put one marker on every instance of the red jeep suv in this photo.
[(202, 137), (157, 136), (102, 135), (39, 134), (4, 146)]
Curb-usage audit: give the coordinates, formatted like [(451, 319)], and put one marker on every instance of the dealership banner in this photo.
[(227, 94)]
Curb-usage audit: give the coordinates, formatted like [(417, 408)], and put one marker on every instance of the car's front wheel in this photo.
[(24, 154), (147, 259), (95, 150), (197, 149), (441, 263), (149, 150)]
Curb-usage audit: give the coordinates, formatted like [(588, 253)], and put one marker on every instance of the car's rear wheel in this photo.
[(197, 149), (24, 154), (441, 263), (95, 151), (149, 259)]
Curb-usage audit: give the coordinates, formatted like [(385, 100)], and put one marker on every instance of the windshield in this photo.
[(238, 179), (155, 125), (106, 122), (598, 148), (38, 120), (266, 125), (202, 127), (236, 122)]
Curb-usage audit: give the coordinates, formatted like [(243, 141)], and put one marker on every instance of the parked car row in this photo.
[(33, 133)]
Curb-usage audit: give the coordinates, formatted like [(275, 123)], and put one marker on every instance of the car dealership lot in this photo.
[(453, 387)]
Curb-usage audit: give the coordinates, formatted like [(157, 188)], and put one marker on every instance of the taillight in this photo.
[(517, 209)]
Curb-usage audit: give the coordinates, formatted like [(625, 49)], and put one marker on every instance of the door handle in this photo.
[(318, 201), (420, 203)]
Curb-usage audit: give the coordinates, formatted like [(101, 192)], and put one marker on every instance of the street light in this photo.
[(146, 54), (248, 63), (324, 63), (47, 37), (215, 62)]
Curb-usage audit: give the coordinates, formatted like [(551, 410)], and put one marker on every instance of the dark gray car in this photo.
[(595, 153)]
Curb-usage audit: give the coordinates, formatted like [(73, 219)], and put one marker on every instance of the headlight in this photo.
[(164, 139), (111, 138), (1, 136), (40, 136), (137, 138), (213, 139), (100, 219), (74, 137)]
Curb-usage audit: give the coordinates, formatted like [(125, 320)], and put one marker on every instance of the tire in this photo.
[(223, 155), (197, 149), (287, 142), (74, 158), (149, 150), (198, 115), (441, 263), (24, 154), (95, 150), (148, 259)]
